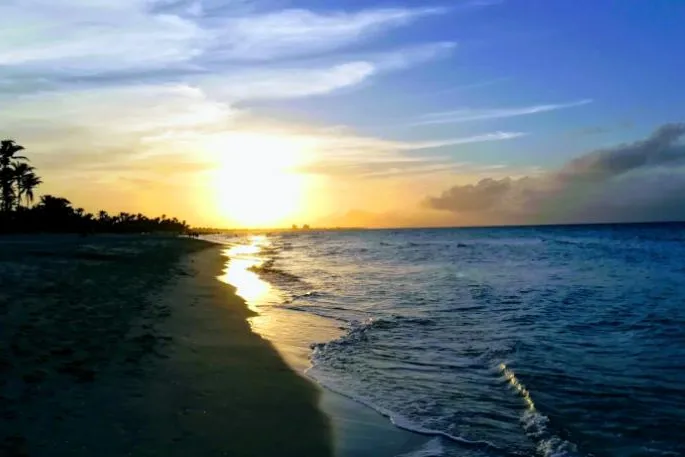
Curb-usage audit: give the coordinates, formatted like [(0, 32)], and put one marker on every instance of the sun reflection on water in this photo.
[(238, 273), (273, 321)]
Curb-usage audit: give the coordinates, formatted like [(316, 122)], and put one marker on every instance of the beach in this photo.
[(129, 345), (506, 341)]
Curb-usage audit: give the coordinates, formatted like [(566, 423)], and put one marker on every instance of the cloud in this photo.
[(494, 136), (91, 131), (284, 82), (94, 36), (466, 115), (339, 142), (127, 55), (270, 84), (115, 74), (93, 87), (413, 55), (640, 181), (343, 153), (297, 32), (86, 37)]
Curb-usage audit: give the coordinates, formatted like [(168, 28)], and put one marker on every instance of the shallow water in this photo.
[(555, 341)]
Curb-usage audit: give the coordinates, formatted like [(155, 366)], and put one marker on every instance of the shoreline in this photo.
[(235, 394), (357, 429), (117, 348)]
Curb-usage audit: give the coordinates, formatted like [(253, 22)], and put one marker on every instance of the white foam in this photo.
[(536, 424), (397, 420)]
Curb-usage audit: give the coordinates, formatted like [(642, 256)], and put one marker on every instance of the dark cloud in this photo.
[(640, 181)]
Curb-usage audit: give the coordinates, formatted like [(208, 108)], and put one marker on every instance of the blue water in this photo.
[(551, 341)]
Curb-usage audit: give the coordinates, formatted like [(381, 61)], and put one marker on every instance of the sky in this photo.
[(266, 113)]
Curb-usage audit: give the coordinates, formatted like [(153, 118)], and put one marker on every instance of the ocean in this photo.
[(527, 341)]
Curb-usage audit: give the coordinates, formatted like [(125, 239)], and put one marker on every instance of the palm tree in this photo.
[(29, 183), (8, 149), (26, 181), (55, 205)]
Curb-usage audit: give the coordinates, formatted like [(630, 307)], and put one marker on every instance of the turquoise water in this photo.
[(552, 341)]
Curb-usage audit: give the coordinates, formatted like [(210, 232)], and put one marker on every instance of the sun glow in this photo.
[(256, 183)]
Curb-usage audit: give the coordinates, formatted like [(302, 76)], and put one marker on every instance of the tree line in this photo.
[(19, 214)]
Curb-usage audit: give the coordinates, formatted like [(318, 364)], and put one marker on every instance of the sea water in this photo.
[(550, 341)]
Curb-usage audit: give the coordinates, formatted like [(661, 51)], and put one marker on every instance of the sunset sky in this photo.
[(358, 112)]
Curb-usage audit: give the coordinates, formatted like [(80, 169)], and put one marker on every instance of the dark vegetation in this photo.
[(18, 214)]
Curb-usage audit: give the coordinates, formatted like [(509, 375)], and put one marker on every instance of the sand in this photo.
[(357, 430), (114, 346)]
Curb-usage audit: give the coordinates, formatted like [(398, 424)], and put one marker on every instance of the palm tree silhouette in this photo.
[(26, 181), (8, 149), (18, 180), (29, 183)]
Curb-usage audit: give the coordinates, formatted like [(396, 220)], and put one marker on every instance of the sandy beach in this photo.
[(117, 346)]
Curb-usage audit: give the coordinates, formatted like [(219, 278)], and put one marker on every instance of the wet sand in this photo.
[(357, 430), (115, 346)]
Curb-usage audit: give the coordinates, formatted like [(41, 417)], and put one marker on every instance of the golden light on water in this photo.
[(237, 273), (249, 286), (518, 386)]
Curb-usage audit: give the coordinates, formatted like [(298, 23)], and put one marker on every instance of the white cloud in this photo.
[(78, 37), (93, 119), (343, 153), (69, 45), (88, 80), (468, 114), (494, 136), (341, 143), (298, 32), (90, 36), (283, 82), (143, 64), (260, 84), (413, 55)]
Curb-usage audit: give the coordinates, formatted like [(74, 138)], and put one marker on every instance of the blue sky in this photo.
[(427, 95), (622, 55)]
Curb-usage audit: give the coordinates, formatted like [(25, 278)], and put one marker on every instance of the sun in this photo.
[(256, 183)]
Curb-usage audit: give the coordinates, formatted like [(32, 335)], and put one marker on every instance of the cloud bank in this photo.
[(640, 181)]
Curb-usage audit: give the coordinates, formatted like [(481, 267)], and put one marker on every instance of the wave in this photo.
[(357, 332), (268, 270), (396, 419), (536, 424)]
